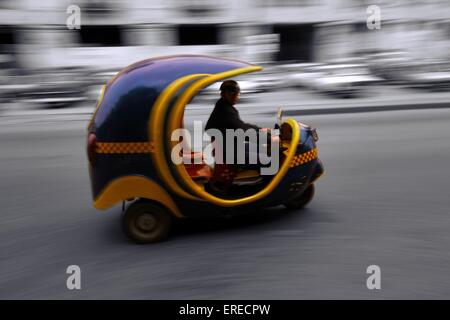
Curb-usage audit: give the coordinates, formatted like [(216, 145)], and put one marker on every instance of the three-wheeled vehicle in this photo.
[(129, 150)]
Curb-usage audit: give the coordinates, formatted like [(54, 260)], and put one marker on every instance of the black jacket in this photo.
[(225, 116)]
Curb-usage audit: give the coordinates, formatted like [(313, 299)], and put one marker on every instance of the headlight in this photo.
[(312, 130), (303, 125)]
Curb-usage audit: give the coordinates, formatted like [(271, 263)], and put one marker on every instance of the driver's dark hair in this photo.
[(229, 86)]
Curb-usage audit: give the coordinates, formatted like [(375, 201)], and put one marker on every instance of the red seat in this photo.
[(196, 167)]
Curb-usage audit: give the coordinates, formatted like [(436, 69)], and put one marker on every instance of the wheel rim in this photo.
[(146, 222)]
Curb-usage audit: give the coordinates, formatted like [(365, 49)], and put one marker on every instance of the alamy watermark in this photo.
[(73, 282), (74, 20), (241, 147), (374, 280), (374, 19)]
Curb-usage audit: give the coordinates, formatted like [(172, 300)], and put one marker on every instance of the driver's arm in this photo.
[(234, 121)]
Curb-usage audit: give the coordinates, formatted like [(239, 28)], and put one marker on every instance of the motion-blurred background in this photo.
[(321, 45), (383, 201)]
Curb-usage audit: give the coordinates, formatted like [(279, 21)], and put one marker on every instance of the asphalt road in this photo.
[(384, 201)]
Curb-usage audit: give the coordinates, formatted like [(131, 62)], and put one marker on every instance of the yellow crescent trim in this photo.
[(157, 137), (156, 134), (199, 191), (128, 187), (157, 117)]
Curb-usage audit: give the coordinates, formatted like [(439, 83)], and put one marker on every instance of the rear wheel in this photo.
[(146, 222), (301, 200)]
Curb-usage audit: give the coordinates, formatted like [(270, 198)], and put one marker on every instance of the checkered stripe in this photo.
[(304, 158), (123, 147)]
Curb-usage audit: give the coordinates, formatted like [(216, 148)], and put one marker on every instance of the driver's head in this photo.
[(230, 91)]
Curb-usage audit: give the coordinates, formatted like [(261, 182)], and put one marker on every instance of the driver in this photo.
[(225, 115)]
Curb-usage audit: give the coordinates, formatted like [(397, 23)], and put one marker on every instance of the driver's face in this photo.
[(232, 97)]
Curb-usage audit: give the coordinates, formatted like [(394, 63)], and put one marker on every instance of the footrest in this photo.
[(247, 174)]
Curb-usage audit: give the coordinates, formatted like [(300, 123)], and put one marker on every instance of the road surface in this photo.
[(384, 201)]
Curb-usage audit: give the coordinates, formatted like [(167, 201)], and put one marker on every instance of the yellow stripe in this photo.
[(174, 121), (123, 147), (156, 134), (157, 115), (176, 116)]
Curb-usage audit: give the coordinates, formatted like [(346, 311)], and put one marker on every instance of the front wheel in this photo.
[(301, 200), (146, 222)]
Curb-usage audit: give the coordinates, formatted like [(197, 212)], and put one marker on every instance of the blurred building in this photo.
[(114, 33)]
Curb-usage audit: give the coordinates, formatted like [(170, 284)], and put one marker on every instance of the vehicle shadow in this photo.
[(269, 218), (258, 220)]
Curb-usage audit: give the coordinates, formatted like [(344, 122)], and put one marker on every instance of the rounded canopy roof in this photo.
[(124, 110)]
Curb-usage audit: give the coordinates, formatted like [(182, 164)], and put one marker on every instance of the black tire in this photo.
[(301, 200), (146, 222)]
